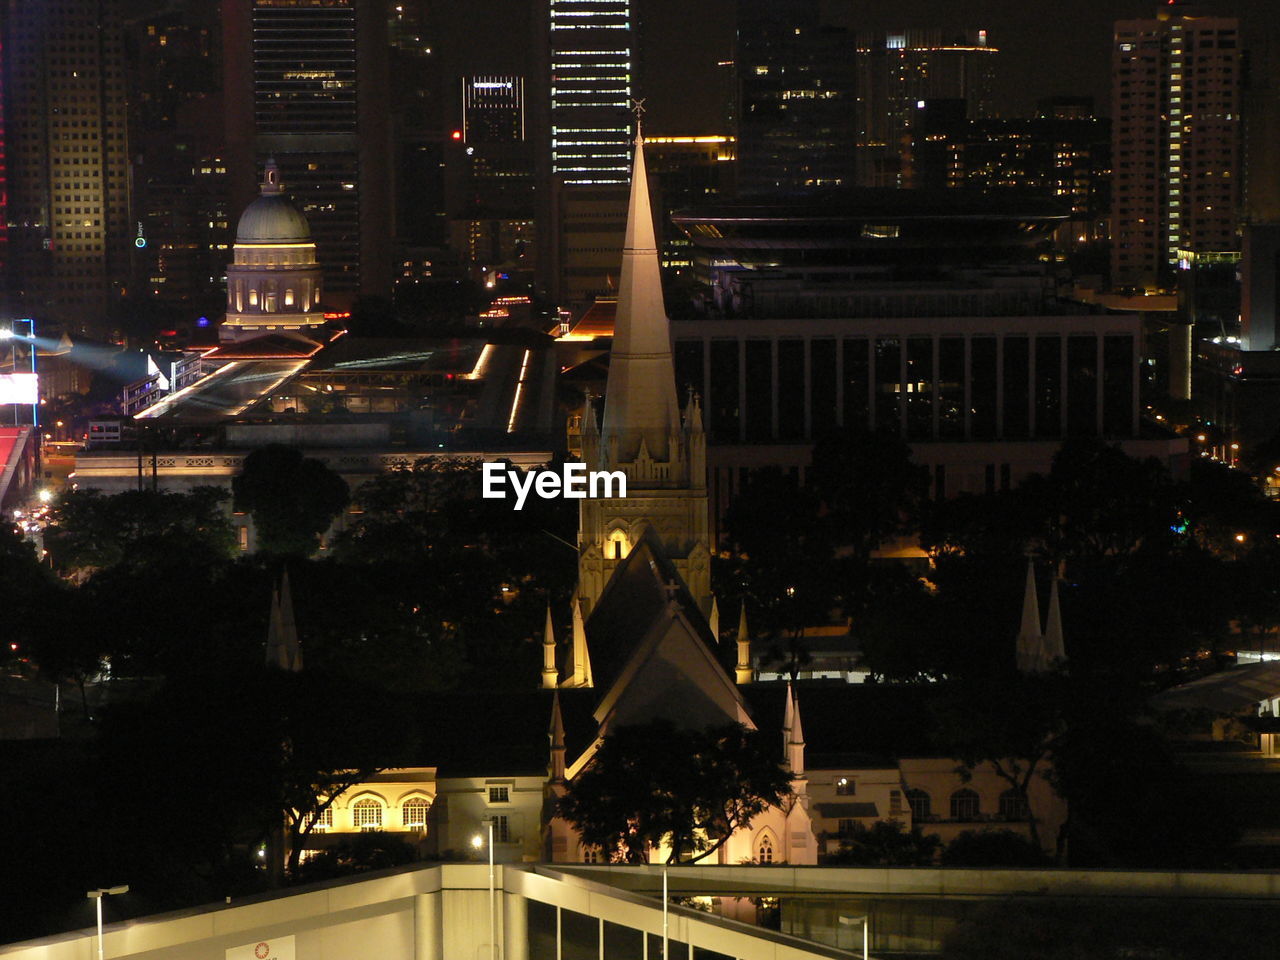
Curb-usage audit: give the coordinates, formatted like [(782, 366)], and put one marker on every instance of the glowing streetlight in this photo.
[(98, 895), (477, 842)]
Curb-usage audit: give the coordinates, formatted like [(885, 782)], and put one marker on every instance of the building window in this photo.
[(502, 829), (617, 546), (288, 298), (253, 296), (414, 812), (244, 538), (324, 821), (499, 794), (764, 852), (921, 804), (964, 805), (366, 815), (845, 787), (591, 855), (1013, 806), (846, 828), (895, 803)]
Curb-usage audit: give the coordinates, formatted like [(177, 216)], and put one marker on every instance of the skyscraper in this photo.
[(1176, 94), (896, 70), (796, 99), (307, 84), (591, 54), (67, 159)]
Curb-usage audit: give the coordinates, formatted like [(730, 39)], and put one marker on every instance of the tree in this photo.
[(886, 843), (94, 531), (993, 848), (654, 784), (293, 499)]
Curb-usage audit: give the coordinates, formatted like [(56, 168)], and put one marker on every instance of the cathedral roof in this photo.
[(271, 218)]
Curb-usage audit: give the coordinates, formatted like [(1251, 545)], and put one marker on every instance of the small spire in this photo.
[(550, 675), (283, 649), (556, 734), (589, 425), (1054, 646), (693, 413), (271, 178), (795, 739), (1028, 643), (581, 656), (788, 718), (713, 619), (742, 670)]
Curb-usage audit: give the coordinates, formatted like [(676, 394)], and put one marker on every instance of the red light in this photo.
[(457, 134), (168, 333)]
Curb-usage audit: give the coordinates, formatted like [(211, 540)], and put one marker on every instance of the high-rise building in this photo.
[(796, 108), (591, 55), (307, 84), (896, 70), (65, 141), (1176, 101)]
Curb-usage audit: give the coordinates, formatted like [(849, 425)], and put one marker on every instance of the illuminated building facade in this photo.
[(1176, 101), (896, 69), (307, 84), (796, 111), (591, 55), (274, 285), (65, 143)]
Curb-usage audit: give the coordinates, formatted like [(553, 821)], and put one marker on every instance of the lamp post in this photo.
[(98, 895), (477, 841), (865, 920)]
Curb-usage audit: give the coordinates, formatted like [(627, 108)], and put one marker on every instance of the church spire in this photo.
[(742, 670), (640, 402), (556, 734), (550, 675), (581, 664), (283, 649), (1053, 645), (1029, 643), (795, 735)]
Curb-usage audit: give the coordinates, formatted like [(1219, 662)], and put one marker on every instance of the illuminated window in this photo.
[(501, 829), (617, 547), (964, 805), (324, 821), (764, 852), (845, 787), (366, 814), (499, 794), (414, 812), (253, 296), (288, 298)]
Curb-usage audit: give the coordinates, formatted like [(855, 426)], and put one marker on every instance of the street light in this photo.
[(865, 920), (98, 895), (477, 841)]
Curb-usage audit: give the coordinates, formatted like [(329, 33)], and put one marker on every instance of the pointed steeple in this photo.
[(742, 670), (1053, 645), (581, 656), (550, 674), (713, 619), (693, 413), (283, 649), (556, 734), (1028, 645), (640, 401), (795, 735), (788, 720)]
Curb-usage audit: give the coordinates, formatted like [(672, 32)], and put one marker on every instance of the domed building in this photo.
[(274, 282)]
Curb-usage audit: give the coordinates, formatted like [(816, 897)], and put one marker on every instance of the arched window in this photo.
[(964, 805), (921, 804), (591, 855), (1013, 806), (617, 547), (288, 298), (414, 812), (253, 296), (324, 821), (366, 814), (764, 850)]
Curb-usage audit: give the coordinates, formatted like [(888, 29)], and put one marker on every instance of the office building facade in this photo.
[(67, 160)]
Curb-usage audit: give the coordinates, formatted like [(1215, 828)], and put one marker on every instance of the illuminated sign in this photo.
[(140, 241), (19, 388)]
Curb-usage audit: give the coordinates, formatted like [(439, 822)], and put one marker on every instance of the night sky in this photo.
[(1046, 48)]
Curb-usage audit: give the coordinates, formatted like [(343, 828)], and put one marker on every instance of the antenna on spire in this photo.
[(637, 107)]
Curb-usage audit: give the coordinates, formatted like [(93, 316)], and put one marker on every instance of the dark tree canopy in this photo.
[(293, 499), (653, 784)]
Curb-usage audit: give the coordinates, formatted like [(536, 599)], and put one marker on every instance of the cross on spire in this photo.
[(637, 107)]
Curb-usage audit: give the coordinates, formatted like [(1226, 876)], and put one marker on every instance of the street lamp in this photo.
[(865, 920), (98, 895), (477, 841)]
